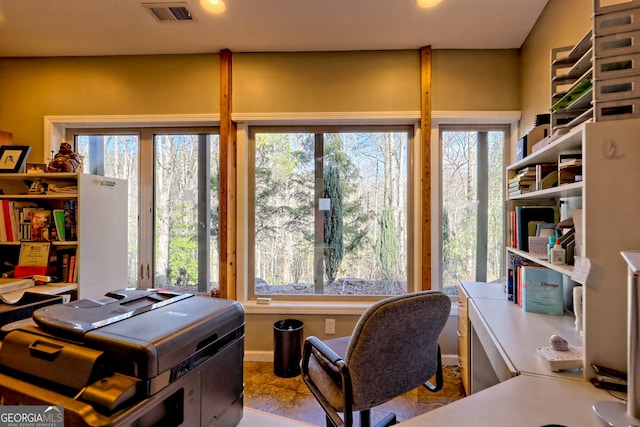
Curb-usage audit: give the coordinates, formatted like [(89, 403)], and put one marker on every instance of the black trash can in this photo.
[(287, 347)]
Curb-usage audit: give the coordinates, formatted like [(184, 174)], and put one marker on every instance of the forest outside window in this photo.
[(330, 211), (472, 204), (172, 176)]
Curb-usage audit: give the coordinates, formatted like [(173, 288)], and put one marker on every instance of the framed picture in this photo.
[(13, 158), (36, 167), (34, 254)]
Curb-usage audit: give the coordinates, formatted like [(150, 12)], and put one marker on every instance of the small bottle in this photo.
[(552, 242), (558, 254)]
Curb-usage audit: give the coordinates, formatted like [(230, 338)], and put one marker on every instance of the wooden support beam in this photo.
[(227, 186), (6, 138), (425, 165)]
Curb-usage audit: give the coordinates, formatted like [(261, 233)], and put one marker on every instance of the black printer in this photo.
[(138, 357)]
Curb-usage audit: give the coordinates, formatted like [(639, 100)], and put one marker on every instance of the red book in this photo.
[(72, 269), (519, 275), (6, 212)]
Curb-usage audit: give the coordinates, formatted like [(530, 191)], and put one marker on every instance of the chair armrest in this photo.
[(322, 348), (312, 343), (331, 362)]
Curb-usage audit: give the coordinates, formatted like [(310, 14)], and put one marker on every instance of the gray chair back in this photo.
[(394, 346)]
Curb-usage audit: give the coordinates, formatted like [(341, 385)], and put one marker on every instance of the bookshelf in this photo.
[(607, 203), (98, 241)]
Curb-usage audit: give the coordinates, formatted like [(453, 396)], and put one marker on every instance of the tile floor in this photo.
[(290, 398)]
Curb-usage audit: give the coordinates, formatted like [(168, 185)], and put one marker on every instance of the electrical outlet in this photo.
[(330, 326)]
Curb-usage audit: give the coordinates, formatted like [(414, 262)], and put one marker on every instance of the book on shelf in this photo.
[(16, 220), (6, 214), (69, 208), (569, 163), (518, 192), (525, 172), (522, 183), (64, 268), (569, 167), (58, 220), (510, 285), (514, 282), (71, 276), (25, 217), (542, 290), (40, 225), (527, 217)]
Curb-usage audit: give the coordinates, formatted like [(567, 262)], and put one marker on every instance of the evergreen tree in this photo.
[(333, 226)]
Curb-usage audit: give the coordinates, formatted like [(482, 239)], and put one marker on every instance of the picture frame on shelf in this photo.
[(36, 167), (13, 158), (33, 259)]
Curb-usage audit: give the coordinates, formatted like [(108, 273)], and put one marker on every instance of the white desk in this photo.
[(505, 338), (525, 400), (511, 386), (518, 334)]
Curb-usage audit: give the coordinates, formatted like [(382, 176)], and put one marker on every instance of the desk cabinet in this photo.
[(464, 342)]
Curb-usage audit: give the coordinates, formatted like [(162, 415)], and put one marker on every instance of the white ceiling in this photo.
[(125, 27)]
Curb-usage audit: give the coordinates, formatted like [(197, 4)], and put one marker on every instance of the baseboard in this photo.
[(258, 356), (267, 356), (450, 360)]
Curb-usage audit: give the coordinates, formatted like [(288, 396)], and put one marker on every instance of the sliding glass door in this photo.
[(173, 201)]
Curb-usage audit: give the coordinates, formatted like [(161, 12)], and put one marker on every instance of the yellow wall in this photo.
[(562, 23), (374, 81), (476, 80), (326, 81), (31, 88)]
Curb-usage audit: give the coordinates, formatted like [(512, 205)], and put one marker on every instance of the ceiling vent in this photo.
[(169, 12)]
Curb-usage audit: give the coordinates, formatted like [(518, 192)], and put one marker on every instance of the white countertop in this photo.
[(484, 290), (525, 400), (519, 334)]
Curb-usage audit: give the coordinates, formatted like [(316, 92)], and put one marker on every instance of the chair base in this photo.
[(387, 421), (365, 420)]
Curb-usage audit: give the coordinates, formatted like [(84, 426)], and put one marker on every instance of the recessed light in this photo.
[(213, 6), (428, 3)]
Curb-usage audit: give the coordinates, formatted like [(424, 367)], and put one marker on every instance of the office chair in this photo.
[(393, 349)]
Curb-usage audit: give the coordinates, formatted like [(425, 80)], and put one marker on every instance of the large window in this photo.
[(330, 211), (173, 203), (186, 210), (472, 204)]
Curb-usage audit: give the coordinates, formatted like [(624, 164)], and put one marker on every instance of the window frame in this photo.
[(146, 190), (412, 188), (469, 126), (54, 131)]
